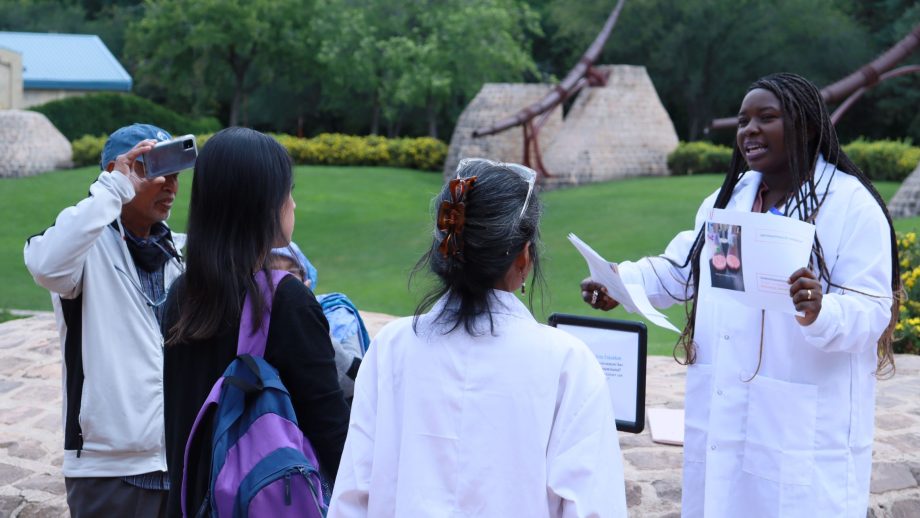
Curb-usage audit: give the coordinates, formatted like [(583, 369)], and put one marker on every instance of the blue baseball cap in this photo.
[(127, 137)]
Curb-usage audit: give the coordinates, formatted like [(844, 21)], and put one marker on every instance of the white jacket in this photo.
[(796, 441), (110, 340), (518, 423)]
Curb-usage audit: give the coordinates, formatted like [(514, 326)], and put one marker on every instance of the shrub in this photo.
[(907, 330), (98, 114), (87, 149), (423, 153), (337, 149), (890, 160), (699, 157)]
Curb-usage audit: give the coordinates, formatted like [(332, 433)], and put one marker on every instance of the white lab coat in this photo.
[(796, 441), (515, 423)]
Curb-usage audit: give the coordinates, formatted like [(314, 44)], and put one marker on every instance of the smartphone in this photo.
[(171, 156)]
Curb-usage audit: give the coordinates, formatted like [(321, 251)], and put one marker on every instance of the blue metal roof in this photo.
[(66, 62)]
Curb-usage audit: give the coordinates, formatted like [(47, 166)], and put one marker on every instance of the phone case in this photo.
[(171, 156)]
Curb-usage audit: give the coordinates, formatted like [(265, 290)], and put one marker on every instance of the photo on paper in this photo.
[(723, 242)]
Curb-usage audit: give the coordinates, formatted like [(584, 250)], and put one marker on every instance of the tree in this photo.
[(63, 16), (41, 16), (465, 44), (406, 56), (198, 54), (888, 110), (702, 54)]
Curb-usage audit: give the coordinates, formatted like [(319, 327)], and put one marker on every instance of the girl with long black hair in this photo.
[(780, 408), (241, 207)]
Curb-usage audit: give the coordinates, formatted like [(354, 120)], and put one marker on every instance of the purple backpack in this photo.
[(261, 463)]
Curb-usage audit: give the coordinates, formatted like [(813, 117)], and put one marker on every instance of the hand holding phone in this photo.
[(171, 156), (124, 163)]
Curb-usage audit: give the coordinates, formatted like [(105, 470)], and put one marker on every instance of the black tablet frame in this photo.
[(618, 325)]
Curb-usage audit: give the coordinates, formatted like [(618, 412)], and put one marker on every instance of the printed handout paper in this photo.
[(748, 257), (631, 296)]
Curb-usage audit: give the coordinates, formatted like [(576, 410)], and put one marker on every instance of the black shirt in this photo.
[(298, 346)]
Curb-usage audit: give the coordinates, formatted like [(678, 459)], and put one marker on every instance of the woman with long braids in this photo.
[(780, 408), (472, 408)]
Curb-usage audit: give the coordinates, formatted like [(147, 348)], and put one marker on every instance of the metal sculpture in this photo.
[(852, 87), (582, 75)]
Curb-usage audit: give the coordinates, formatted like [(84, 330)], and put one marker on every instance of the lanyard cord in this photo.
[(760, 353)]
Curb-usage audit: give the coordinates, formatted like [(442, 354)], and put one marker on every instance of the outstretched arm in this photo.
[(665, 278)]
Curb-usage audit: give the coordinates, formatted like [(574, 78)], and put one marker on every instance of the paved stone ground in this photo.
[(30, 432)]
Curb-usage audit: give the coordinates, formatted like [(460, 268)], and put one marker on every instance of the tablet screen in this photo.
[(620, 347)]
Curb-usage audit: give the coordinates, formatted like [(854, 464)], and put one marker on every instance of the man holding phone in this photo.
[(108, 262)]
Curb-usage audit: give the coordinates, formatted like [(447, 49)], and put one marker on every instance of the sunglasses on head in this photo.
[(525, 173)]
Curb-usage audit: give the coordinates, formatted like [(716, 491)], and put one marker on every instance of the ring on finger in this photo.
[(809, 295), (594, 296)]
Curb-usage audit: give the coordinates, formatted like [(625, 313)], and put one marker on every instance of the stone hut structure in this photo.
[(616, 131), (906, 202), (30, 144), (496, 101)]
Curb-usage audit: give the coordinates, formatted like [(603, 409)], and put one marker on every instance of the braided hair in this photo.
[(494, 231), (808, 132)]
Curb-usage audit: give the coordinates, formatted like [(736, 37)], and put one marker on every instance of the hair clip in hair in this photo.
[(452, 217)]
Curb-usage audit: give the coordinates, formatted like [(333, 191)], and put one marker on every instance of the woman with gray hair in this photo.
[(472, 407)]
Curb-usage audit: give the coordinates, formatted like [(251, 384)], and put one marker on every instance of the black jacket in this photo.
[(298, 346)]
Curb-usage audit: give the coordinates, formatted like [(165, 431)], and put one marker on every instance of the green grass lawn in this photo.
[(364, 228)]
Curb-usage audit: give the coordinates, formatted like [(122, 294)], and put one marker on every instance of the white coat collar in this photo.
[(747, 187), (745, 191), (502, 304), (508, 303)]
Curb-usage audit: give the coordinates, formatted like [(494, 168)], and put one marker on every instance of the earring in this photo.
[(523, 283)]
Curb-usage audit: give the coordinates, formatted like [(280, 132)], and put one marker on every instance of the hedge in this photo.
[(888, 160), (699, 157), (423, 153), (98, 114), (884, 159)]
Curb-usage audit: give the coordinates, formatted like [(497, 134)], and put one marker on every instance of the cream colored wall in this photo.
[(33, 97), (10, 80)]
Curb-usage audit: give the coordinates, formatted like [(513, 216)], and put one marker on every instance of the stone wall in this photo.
[(30, 144), (494, 102), (906, 202)]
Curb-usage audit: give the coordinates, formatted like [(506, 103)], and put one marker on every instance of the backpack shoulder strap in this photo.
[(251, 340), (209, 403)]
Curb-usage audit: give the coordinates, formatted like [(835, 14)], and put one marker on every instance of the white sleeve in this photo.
[(666, 277), (350, 496), (855, 313), (55, 258), (584, 463)]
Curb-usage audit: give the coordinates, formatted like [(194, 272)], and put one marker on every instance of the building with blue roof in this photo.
[(55, 66)]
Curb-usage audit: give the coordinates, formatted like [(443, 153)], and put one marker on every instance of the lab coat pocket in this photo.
[(780, 438), (696, 413)]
